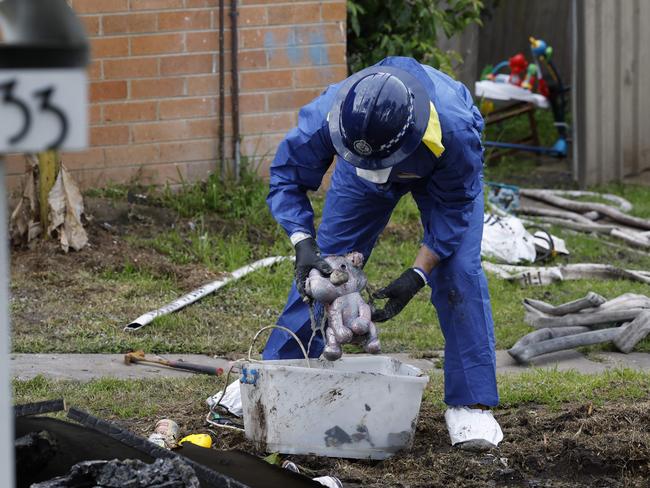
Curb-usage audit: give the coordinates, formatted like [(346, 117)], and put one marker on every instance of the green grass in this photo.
[(152, 399), (89, 317), (122, 399)]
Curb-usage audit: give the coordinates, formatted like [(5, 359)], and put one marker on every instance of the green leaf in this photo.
[(274, 458)]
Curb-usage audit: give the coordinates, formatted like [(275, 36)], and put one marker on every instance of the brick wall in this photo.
[(155, 85)]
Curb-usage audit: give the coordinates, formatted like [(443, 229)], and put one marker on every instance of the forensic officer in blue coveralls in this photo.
[(395, 128)]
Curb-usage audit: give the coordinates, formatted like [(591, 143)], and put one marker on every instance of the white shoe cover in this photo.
[(478, 428)]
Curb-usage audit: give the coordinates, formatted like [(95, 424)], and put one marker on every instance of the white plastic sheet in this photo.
[(506, 240)]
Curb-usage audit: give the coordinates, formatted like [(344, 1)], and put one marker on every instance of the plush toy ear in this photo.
[(356, 258)]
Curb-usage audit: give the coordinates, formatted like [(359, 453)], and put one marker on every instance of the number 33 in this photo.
[(45, 96)]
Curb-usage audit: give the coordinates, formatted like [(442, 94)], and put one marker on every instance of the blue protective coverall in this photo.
[(448, 193)]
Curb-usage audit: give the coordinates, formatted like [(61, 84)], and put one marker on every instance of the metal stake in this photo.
[(6, 411)]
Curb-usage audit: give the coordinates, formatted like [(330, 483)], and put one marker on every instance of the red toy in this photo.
[(518, 68)]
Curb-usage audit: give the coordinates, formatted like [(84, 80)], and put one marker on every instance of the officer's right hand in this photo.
[(308, 257)]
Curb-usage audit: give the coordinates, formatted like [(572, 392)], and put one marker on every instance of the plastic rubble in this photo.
[(559, 245), (165, 434), (201, 440), (504, 197), (506, 240), (231, 400), (472, 424), (329, 481)]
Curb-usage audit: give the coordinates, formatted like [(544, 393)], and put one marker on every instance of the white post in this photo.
[(6, 410)]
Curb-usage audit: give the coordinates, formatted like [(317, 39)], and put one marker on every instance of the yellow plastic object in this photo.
[(487, 107), (201, 440)]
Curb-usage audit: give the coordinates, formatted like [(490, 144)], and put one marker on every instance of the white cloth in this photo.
[(508, 92), (231, 401), (472, 424), (296, 237), (378, 176)]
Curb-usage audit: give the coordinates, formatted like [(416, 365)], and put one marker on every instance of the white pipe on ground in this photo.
[(199, 293)]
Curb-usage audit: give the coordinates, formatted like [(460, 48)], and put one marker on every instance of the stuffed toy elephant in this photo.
[(348, 315)]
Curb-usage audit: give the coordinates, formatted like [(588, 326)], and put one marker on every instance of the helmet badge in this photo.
[(362, 147)]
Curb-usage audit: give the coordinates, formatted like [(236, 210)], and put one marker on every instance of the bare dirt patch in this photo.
[(576, 446)]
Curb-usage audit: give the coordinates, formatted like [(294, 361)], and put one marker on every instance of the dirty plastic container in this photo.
[(363, 407)]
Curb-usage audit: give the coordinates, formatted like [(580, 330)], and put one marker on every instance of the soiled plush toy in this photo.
[(348, 315)]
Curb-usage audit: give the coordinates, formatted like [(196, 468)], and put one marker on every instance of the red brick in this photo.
[(163, 87), (109, 47), (94, 114), (202, 3), (302, 13), (187, 64), (130, 23), (334, 11), (16, 164), (99, 6), (252, 59), (261, 80), (107, 90), (160, 131), (155, 4), (262, 2), (95, 70), (199, 170), (261, 145), (184, 20), (249, 103), (204, 41), (130, 68), (88, 158), (252, 16), (256, 123), (290, 100), (321, 76), (157, 44), (187, 108), (132, 154), (130, 112), (164, 173), (91, 24), (109, 135), (206, 127), (319, 34), (188, 150), (205, 85), (257, 37)]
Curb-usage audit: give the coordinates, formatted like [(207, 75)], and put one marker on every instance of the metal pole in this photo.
[(222, 94), (234, 93), (6, 413)]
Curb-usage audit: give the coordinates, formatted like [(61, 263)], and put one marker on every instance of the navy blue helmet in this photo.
[(379, 117)]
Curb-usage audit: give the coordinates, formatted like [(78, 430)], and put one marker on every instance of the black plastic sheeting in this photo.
[(75, 443)]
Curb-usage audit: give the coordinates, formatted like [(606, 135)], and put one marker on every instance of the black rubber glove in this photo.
[(308, 257), (399, 293)]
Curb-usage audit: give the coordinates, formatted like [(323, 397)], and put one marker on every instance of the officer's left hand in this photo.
[(399, 293)]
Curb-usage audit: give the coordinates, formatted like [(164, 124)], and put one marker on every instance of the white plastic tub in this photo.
[(363, 407)]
